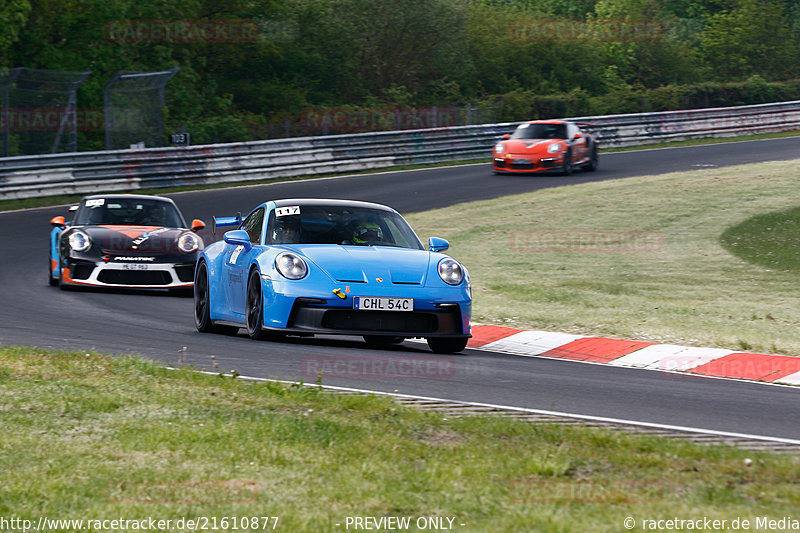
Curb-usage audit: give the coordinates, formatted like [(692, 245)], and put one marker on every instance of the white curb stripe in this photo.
[(531, 342), (670, 357), (791, 379)]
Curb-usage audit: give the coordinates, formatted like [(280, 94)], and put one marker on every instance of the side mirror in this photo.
[(58, 222), (435, 244), (198, 224), (507, 136), (576, 136), (238, 237)]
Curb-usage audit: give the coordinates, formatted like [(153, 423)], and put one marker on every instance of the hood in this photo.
[(133, 240), (529, 146), (366, 264)]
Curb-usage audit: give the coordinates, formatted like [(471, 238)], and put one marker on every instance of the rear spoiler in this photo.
[(585, 125), (222, 222)]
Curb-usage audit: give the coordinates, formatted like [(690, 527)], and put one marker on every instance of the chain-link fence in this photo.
[(40, 113), (134, 109)]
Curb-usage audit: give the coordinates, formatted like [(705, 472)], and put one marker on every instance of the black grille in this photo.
[(81, 270), (185, 272), (410, 322), (135, 277), (523, 165), (499, 163)]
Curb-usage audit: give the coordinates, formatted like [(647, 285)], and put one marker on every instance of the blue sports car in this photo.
[(311, 266)]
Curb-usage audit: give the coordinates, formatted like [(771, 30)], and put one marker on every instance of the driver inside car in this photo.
[(367, 233), (286, 231)]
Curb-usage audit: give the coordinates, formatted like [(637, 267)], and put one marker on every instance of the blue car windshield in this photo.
[(540, 131), (128, 212), (343, 225)]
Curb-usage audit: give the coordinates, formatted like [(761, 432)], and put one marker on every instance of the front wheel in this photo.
[(53, 281), (447, 345), (255, 310), (567, 170)]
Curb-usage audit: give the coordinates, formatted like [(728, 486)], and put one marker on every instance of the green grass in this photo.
[(27, 203), (771, 240), (87, 436), (638, 258)]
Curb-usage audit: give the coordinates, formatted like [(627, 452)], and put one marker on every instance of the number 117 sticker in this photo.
[(290, 210)]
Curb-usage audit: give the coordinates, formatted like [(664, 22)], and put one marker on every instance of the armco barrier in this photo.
[(127, 170)]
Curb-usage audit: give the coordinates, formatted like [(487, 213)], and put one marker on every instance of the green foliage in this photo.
[(540, 58), (13, 16), (753, 37)]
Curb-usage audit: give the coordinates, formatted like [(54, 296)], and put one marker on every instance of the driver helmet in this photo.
[(156, 212), (285, 231), (367, 232)]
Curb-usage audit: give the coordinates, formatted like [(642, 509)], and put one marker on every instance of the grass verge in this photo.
[(28, 203), (769, 240), (91, 437), (637, 258)]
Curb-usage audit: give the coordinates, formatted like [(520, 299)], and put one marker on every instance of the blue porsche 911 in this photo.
[(334, 267)]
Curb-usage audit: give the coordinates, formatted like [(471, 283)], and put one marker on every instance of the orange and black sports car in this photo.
[(545, 145), (124, 240)]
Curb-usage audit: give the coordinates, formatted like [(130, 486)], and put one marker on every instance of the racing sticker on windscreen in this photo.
[(97, 202), (289, 210)]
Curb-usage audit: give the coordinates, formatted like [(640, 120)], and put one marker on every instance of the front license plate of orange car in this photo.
[(364, 303)]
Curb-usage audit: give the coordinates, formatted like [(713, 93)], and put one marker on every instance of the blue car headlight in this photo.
[(79, 241), (291, 266), (450, 271)]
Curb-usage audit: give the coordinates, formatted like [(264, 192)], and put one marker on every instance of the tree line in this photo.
[(249, 65)]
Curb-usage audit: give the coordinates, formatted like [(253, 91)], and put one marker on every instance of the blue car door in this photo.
[(238, 261)]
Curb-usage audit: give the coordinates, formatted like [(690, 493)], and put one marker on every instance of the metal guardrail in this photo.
[(129, 170)]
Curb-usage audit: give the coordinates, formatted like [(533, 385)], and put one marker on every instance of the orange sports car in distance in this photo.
[(545, 145)]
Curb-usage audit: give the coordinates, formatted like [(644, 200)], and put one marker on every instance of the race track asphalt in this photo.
[(159, 326)]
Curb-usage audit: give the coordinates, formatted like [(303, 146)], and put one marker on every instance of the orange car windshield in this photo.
[(540, 131)]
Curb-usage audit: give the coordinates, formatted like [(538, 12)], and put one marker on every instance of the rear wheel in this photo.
[(382, 341), (202, 305), (591, 166), (439, 345)]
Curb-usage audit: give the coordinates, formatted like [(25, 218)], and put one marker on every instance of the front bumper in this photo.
[(128, 275), (527, 164), (438, 312)]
